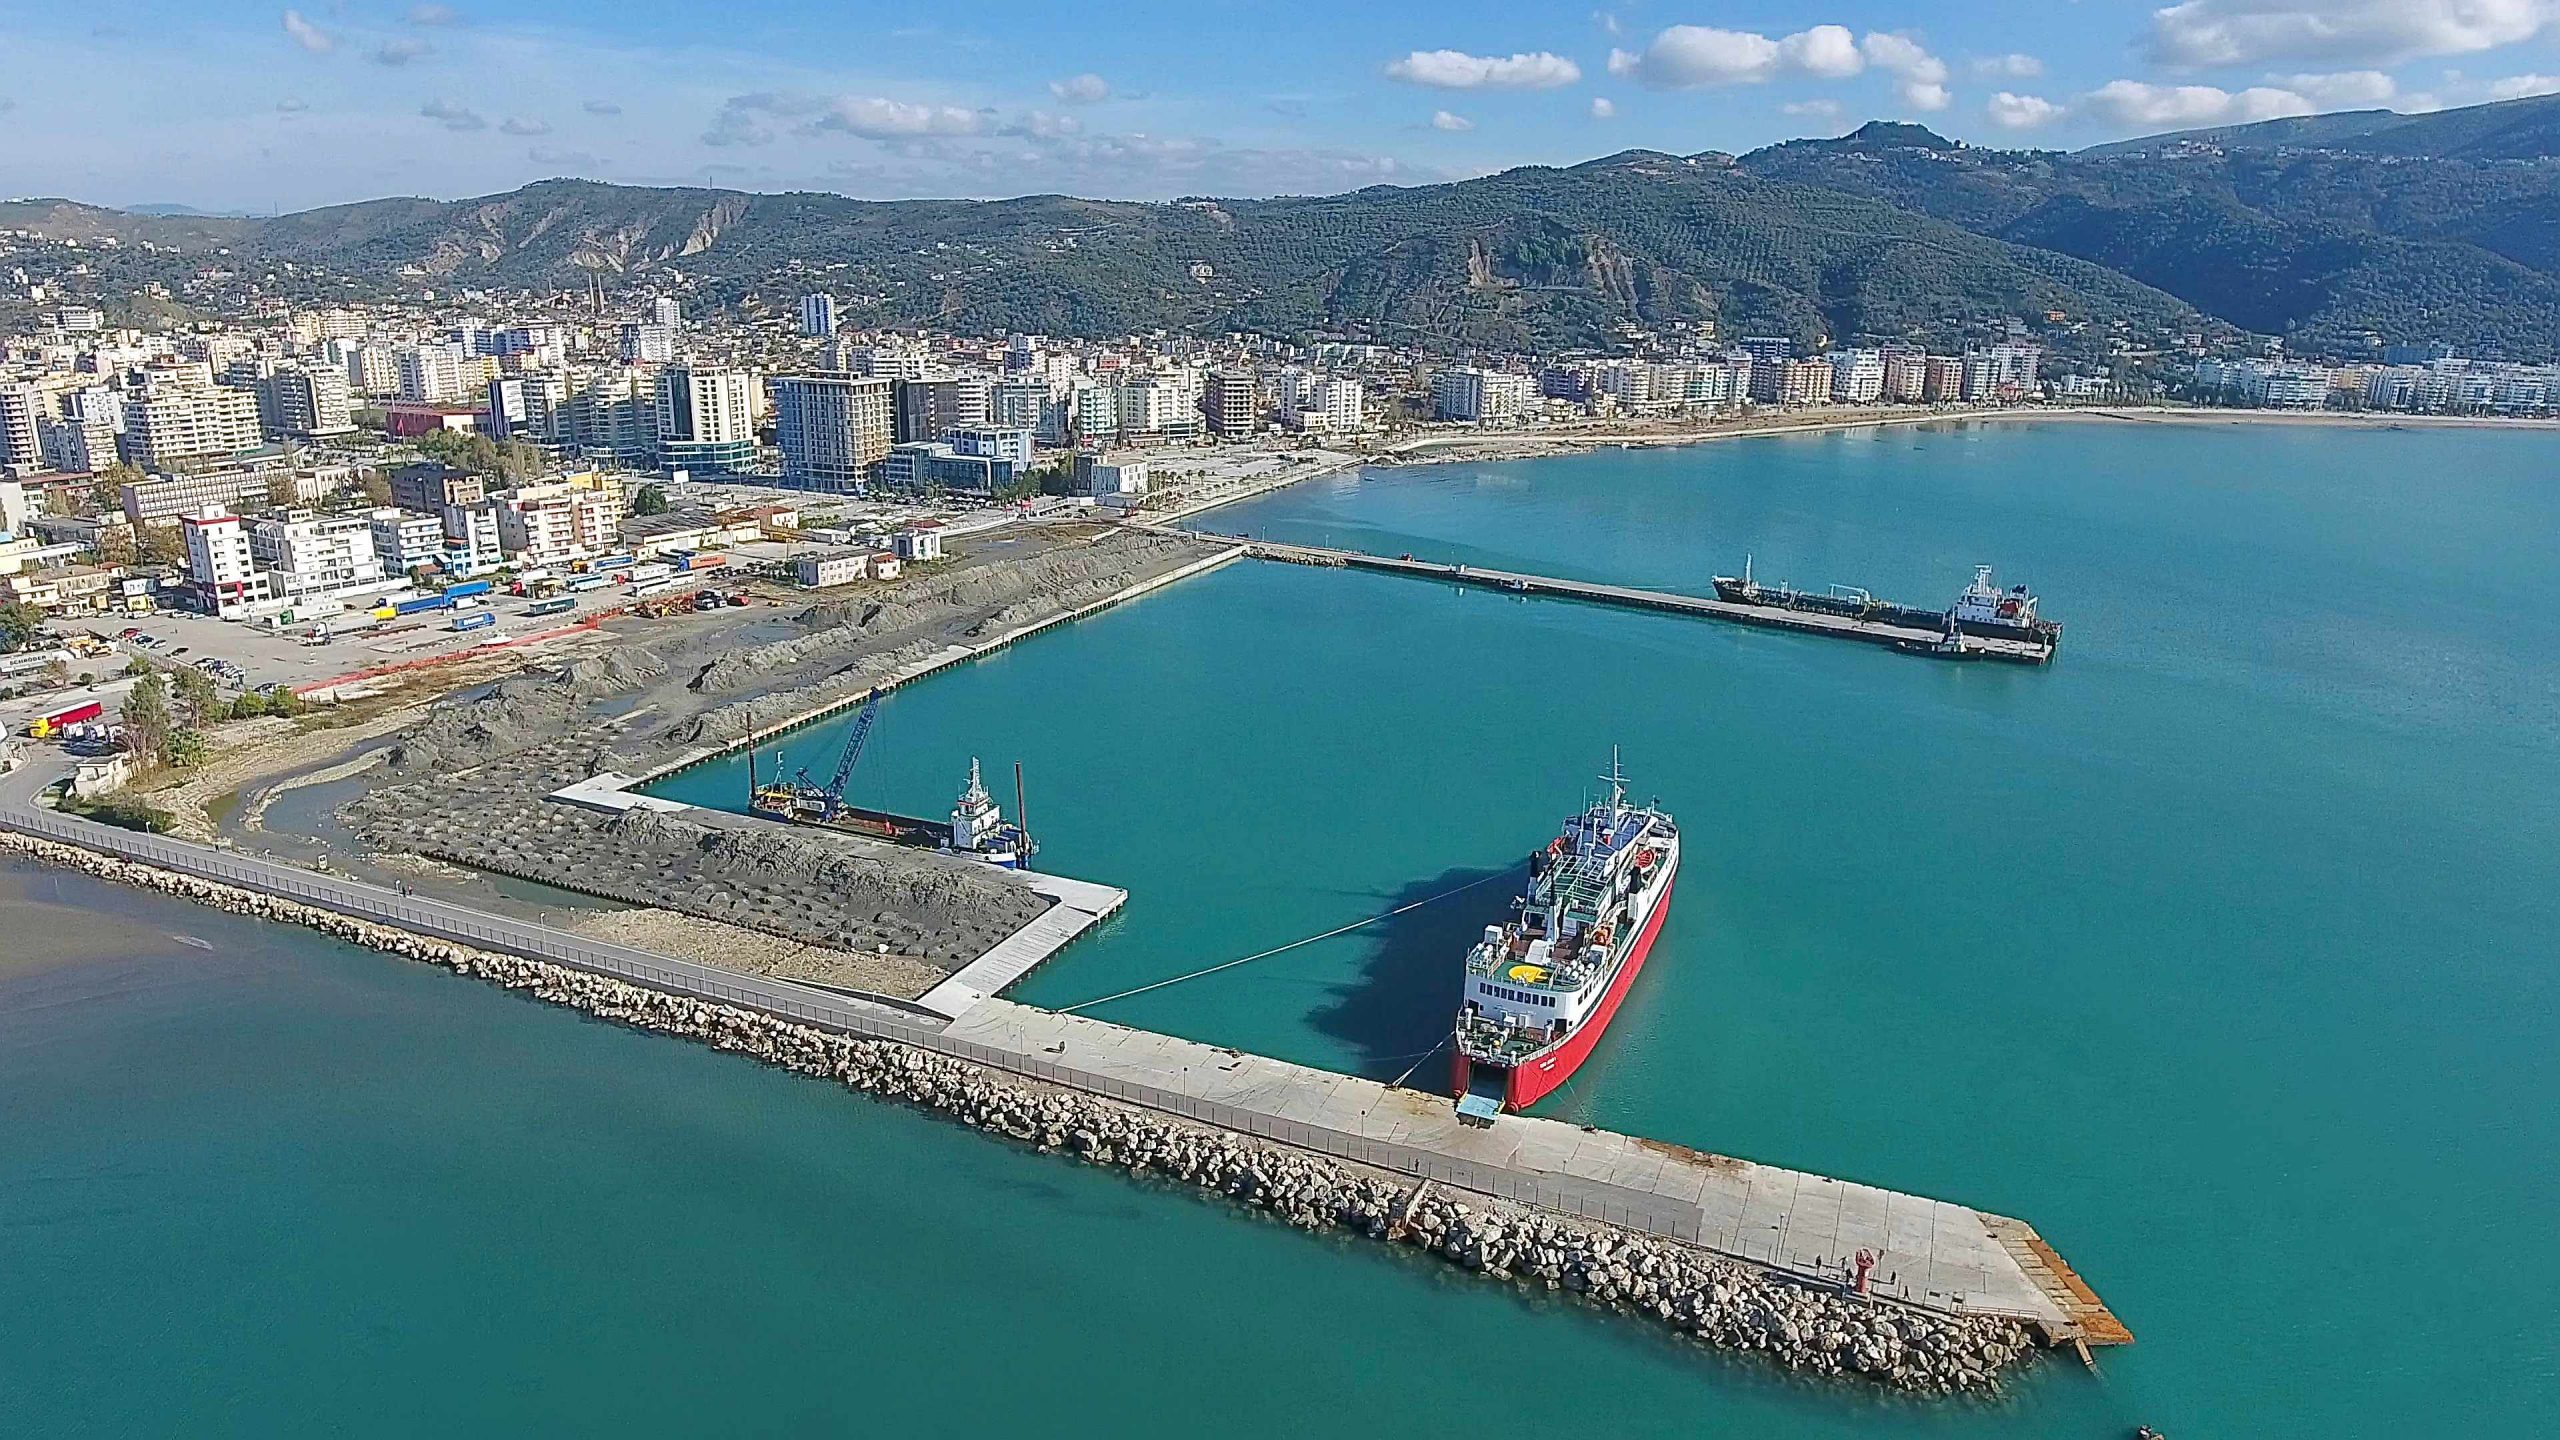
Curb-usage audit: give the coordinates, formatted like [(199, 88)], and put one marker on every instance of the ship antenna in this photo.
[(1617, 779)]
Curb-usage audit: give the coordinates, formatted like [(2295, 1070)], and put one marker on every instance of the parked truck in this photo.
[(60, 720), (476, 620)]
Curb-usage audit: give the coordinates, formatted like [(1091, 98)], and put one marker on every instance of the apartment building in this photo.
[(832, 427)]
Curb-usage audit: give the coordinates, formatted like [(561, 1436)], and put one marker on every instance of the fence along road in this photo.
[(1934, 1254)]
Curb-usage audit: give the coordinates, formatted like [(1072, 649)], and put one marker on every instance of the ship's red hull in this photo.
[(1534, 1079)]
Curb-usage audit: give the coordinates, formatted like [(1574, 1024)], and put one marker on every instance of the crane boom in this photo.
[(834, 793)]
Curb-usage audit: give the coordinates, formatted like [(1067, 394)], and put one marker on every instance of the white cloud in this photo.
[(2021, 112), (431, 15), (2342, 89), (1687, 56), (1445, 120), (1085, 89), (1458, 70), (1603, 108), (307, 35), (1812, 109), (2179, 107), (602, 107), (2517, 87), (517, 125), (875, 118), (2012, 66), (1827, 51), (401, 49), (1922, 76), (452, 116), (2373, 32)]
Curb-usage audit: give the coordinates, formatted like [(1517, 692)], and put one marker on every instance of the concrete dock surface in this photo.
[(1933, 1254)]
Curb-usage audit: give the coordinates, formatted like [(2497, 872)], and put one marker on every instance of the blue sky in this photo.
[(253, 106)]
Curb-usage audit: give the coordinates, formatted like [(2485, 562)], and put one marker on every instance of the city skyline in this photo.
[(259, 108)]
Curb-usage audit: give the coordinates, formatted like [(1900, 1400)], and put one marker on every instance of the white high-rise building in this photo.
[(428, 374), (706, 420), (1482, 396), (665, 311), (84, 439), (373, 369), (648, 343), (818, 316), (1857, 376), (307, 554), (21, 439), (222, 572), (832, 427), (180, 415), (307, 403)]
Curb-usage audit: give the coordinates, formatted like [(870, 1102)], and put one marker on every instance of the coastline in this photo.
[(1489, 446)]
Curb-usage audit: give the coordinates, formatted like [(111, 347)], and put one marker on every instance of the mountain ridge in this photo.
[(2318, 229)]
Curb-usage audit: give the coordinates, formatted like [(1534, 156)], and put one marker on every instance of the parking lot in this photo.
[(260, 656)]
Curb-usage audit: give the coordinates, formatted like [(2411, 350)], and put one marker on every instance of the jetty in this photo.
[(1909, 638), (1836, 1236)]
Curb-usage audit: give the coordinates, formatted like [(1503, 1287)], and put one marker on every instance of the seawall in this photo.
[(1817, 1328)]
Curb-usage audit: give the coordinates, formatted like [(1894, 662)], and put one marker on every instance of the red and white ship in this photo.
[(1542, 988)]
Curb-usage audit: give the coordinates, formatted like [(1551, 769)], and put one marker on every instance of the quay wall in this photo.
[(1818, 1329)]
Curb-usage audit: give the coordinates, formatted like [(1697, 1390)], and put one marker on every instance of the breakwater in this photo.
[(1811, 1328), (1930, 641)]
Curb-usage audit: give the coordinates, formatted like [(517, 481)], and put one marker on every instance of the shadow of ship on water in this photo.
[(1405, 998)]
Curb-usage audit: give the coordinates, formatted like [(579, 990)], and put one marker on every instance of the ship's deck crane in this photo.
[(831, 796), (804, 799)]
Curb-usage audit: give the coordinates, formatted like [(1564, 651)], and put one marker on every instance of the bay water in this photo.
[(2220, 951)]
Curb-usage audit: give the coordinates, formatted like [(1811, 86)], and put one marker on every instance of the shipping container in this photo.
[(386, 612), (421, 604), (561, 606), (654, 570), (467, 587), (477, 620), (611, 563), (706, 562), (44, 725)]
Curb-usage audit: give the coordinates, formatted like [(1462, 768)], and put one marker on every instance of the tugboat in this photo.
[(980, 831)]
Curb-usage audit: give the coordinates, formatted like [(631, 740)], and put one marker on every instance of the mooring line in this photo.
[(1283, 949)]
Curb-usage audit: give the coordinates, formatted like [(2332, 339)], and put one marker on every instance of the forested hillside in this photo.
[(2332, 231)]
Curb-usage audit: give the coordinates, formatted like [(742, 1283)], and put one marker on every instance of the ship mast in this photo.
[(1617, 779)]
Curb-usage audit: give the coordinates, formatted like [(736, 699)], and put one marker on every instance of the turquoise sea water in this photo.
[(2220, 951)]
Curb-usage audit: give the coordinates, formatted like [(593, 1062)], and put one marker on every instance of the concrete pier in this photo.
[(1766, 617), (1932, 1255)]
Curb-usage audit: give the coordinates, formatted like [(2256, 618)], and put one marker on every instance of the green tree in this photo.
[(198, 698), (187, 747), (137, 666), (377, 490), (20, 623), (57, 673), (145, 714), (160, 545), (115, 545), (652, 500)]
